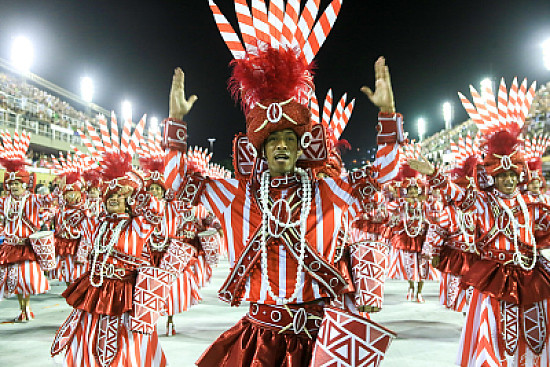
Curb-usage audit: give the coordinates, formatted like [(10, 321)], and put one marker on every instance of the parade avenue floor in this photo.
[(428, 335)]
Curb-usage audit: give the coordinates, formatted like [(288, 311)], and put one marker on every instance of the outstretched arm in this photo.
[(179, 106), (382, 97)]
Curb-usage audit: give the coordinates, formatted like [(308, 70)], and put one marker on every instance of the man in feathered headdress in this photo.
[(511, 281), (280, 221)]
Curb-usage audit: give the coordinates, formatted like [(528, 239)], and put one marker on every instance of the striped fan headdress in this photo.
[(114, 153), (272, 61), (500, 121), (71, 167), (152, 160), (334, 122), (533, 150), (466, 157), (13, 157), (407, 175)]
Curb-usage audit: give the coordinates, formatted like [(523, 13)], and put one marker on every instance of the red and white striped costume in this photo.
[(408, 226), (103, 303), (19, 269), (69, 223)]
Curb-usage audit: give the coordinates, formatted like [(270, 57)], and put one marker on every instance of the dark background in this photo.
[(130, 48)]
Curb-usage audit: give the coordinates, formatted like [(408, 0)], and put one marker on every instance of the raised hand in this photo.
[(423, 165), (179, 105), (382, 97)]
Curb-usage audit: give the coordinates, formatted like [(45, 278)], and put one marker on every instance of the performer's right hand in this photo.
[(179, 105), (422, 165)]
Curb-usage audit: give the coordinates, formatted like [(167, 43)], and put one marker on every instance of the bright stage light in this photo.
[(154, 124), (447, 114), (127, 110), (546, 53), (22, 53), (421, 125), (87, 89)]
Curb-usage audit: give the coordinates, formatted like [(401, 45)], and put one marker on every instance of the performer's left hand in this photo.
[(422, 165), (179, 105), (382, 97)]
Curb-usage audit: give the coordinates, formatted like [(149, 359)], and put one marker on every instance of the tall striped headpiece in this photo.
[(533, 150), (71, 167), (500, 121), (272, 61), (466, 157), (152, 159), (115, 153)]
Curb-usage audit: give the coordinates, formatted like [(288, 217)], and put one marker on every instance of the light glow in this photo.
[(127, 110), (87, 89), (22, 53)]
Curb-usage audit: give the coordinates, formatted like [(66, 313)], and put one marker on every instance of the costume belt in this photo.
[(14, 240), (303, 320), (110, 271), (458, 245), (501, 256)]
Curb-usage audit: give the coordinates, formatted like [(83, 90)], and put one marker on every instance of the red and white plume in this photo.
[(334, 121)]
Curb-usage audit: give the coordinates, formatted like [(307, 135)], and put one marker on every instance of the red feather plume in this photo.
[(116, 165), (13, 164), (535, 165), (407, 172), (152, 164), (72, 177), (502, 142), (271, 74), (467, 169)]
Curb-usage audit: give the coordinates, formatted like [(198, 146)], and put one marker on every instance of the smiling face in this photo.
[(506, 182), (534, 186), (17, 189), (282, 150), (116, 203)]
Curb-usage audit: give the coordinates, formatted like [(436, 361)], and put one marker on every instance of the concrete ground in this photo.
[(428, 335)]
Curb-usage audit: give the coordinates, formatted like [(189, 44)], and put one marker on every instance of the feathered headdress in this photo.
[(500, 122), (115, 154), (334, 122), (408, 176), (13, 158), (152, 160), (466, 157), (272, 67)]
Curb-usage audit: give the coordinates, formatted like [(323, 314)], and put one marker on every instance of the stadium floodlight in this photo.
[(154, 124), (87, 89), (546, 53), (127, 110), (447, 114), (22, 53), (421, 126), (486, 83)]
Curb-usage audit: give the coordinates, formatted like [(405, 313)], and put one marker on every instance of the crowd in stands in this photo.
[(20, 97)]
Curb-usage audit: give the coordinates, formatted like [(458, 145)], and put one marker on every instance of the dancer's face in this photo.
[(17, 188), (94, 193), (156, 191), (116, 203), (412, 192), (282, 150), (72, 197), (506, 182), (534, 186)]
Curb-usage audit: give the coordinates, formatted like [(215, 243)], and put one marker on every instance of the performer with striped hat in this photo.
[(507, 320), (280, 221), (21, 268), (534, 149)]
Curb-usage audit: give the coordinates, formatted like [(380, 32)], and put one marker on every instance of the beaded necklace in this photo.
[(101, 248), (267, 217)]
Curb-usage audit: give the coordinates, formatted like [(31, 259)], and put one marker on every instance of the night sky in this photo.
[(130, 48)]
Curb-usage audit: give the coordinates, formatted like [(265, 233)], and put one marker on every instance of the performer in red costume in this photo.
[(92, 184), (280, 222), (21, 270), (116, 303), (533, 151), (507, 320)]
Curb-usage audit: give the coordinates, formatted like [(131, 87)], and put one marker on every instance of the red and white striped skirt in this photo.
[(184, 293), (451, 294), (23, 278), (482, 344), (202, 270), (134, 349), (67, 270)]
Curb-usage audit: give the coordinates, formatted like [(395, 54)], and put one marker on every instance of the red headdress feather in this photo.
[(13, 164), (272, 74), (503, 142), (153, 164), (72, 177), (467, 169), (535, 165), (116, 165)]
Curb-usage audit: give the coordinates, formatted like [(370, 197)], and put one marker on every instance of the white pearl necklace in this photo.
[(466, 224), (516, 226), (267, 216), (417, 215), (20, 203), (100, 248)]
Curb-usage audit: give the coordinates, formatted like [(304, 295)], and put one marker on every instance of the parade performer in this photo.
[(279, 221), (456, 227), (22, 266), (116, 303), (507, 320), (92, 185), (69, 220), (534, 149), (408, 223)]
